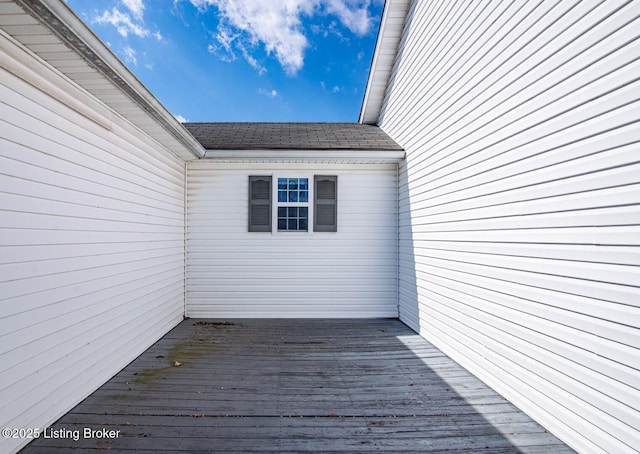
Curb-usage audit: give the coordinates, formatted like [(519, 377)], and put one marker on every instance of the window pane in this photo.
[(293, 190)]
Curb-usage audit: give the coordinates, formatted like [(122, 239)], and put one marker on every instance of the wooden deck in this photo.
[(297, 386)]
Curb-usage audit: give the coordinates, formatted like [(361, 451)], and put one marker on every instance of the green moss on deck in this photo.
[(183, 353)]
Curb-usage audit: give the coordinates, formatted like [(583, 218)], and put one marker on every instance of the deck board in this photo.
[(297, 386)]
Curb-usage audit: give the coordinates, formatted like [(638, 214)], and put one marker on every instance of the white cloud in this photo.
[(353, 14), (336, 89), (269, 93), (226, 38), (130, 55), (180, 118), (136, 7), (277, 25), (252, 61), (224, 48), (123, 23)]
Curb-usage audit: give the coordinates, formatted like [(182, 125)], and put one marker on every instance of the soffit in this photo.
[(53, 32), (384, 56)]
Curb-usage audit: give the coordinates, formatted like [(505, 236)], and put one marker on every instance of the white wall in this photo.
[(91, 244), (235, 273), (520, 203)]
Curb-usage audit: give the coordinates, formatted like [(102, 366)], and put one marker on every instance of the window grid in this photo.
[(293, 190), (293, 199), (293, 218)]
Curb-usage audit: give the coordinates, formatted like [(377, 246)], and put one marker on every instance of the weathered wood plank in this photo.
[(296, 386)]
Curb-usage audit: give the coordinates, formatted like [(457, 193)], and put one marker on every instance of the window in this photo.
[(293, 204), (292, 210)]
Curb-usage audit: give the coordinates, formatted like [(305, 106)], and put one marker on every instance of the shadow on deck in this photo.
[(296, 386)]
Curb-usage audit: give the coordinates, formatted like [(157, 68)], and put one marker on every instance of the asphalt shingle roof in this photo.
[(292, 136)]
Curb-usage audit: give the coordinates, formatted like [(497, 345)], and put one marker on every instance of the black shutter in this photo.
[(325, 218), (259, 204)]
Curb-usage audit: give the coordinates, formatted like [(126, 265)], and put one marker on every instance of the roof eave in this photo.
[(377, 156), (68, 27), (384, 56)]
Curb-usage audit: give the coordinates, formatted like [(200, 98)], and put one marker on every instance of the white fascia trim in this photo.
[(389, 38), (373, 155), (374, 60), (66, 16)]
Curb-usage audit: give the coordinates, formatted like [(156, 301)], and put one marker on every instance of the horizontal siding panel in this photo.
[(562, 334), (524, 188), (97, 361), (592, 236), (619, 326), (56, 174), (235, 273), (591, 31), (528, 266), (31, 236), (594, 289), (518, 170), (581, 204), (127, 146), (65, 332), (80, 276), (28, 270), (585, 105), (577, 380), (563, 403), (202, 260), (313, 308), (91, 247), (46, 214), (58, 297), (625, 255), (519, 203), (55, 170), (125, 294), (43, 252), (534, 394), (75, 147), (63, 190), (258, 245), (594, 217)]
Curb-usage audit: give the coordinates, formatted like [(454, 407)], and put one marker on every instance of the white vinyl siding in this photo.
[(91, 246), (519, 203), (235, 273)]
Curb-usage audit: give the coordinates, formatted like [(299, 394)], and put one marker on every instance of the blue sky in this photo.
[(244, 60)]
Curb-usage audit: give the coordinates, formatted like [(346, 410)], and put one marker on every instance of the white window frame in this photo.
[(275, 204)]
